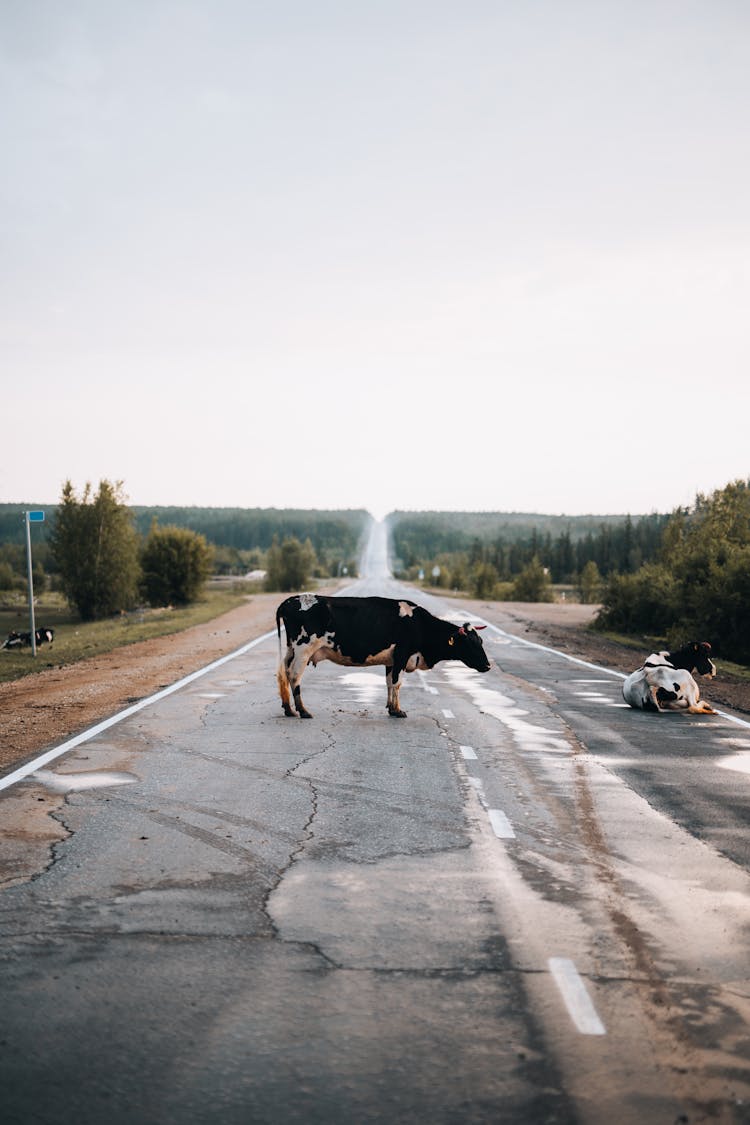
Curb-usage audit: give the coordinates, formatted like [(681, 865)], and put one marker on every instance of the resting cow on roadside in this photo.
[(359, 632), (665, 683), (23, 640)]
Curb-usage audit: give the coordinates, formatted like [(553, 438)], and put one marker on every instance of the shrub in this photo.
[(176, 563)]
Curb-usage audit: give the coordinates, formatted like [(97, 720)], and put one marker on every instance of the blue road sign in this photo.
[(35, 517)]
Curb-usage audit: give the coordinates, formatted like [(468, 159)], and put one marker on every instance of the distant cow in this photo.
[(359, 632), (665, 683), (23, 640)]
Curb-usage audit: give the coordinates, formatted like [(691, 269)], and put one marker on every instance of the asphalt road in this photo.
[(524, 903)]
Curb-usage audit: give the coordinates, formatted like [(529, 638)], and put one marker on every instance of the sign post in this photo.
[(31, 517)]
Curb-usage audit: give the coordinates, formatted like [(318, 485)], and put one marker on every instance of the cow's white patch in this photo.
[(306, 601), (405, 610)]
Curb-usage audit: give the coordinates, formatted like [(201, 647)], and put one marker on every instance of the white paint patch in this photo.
[(468, 753), (577, 1000), (211, 694), (448, 713), (307, 601), (740, 762), (234, 683), (501, 826), (73, 782)]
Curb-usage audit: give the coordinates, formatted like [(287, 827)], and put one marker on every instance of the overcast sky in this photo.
[(363, 253)]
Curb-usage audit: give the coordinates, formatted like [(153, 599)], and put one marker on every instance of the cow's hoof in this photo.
[(396, 714), (289, 713), (305, 715)]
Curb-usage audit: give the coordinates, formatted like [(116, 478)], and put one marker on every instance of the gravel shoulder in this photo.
[(50, 706)]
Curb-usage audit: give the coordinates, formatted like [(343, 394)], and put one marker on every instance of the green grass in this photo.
[(75, 640)]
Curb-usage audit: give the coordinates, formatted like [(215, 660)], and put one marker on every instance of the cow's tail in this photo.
[(282, 676)]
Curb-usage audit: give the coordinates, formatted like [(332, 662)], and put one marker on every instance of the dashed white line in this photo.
[(448, 713), (501, 826), (577, 1000), (468, 753)]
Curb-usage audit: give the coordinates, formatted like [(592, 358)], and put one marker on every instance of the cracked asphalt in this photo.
[(493, 911)]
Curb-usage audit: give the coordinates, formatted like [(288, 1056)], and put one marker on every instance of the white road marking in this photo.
[(468, 753), (577, 1000), (448, 713), (92, 732), (211, 694), (501, 826)]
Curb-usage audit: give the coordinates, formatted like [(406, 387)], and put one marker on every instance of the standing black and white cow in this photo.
[(664, 682), (358, 632)]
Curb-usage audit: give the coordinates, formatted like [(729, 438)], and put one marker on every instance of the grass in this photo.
[(76, 640)]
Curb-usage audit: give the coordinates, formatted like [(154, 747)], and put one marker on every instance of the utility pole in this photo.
[(31, 517)]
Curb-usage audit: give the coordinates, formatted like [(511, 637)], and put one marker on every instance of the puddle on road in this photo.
[(368, 687), (73, 782)]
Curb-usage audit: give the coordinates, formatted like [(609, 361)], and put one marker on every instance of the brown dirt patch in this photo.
[(44, 709)]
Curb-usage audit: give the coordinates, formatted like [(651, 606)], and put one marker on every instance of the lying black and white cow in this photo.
[(358, 632), (23, 640), (665, 683)]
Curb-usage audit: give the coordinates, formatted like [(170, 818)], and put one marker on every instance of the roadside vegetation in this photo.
[(76, 639), (105, 575), (662, 579)]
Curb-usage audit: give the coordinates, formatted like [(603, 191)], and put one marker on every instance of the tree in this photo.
[(290, 565), (95, 546), (533, 583), (176, 563), (590, 583)]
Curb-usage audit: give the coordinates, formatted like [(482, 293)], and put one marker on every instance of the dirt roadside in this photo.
[(46, 708)]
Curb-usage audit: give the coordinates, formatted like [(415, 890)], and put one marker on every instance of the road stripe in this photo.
[(577, 1000), (92, 732), (501, 826), (448, 713), (468, 753)]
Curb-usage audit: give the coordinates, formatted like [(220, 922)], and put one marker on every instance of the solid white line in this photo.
[(468, 753), (577, 1000), (501, 826), (50, 755)]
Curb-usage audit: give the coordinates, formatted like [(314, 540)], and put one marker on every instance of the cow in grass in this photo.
[(665, 681), (23, 640), (359, 632)]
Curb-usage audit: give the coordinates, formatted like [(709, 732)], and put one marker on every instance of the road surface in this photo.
[(524, 903)]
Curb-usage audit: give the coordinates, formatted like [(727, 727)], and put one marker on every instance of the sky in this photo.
[(381, 254)]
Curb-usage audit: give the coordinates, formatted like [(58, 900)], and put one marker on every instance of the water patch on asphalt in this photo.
[(368, 687), (502, 707), (73, 782)]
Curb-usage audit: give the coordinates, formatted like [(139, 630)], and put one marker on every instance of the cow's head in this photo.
[(466, 645), (704, 665)]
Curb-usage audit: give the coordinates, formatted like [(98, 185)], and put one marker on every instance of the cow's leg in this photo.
[(393, 679), (282, 677), (297, 664)]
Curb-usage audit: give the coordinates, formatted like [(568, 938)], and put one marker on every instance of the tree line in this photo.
[(484, 552), (106, 557)]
